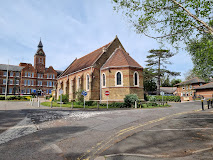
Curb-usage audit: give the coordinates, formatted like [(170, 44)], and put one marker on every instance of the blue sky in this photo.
[(70, 29)]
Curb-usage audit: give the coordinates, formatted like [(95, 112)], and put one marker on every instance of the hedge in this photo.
[(165, 98), (15, 97)]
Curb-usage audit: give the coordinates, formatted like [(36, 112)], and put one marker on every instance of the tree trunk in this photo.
[(158, 84)]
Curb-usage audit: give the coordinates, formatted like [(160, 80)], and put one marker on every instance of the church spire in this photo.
[(40, 45)]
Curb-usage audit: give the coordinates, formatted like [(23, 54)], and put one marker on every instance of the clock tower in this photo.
[(39, 59)]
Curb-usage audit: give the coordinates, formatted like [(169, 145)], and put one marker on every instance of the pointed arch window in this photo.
[(104, 80), (119, 79), (136, 79)]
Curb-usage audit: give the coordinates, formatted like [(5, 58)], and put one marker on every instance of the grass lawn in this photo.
[(68, 105)]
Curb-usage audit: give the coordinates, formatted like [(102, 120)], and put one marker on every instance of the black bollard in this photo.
[(208, 103), (202, 105)]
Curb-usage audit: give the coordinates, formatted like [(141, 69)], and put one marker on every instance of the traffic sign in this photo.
[(106, 93), (84, 93), (61, 91), (162, 93)]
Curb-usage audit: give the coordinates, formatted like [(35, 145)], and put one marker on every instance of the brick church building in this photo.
[(28, 79), (109, 68)]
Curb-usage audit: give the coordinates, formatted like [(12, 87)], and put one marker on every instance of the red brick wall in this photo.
[(207, 93)]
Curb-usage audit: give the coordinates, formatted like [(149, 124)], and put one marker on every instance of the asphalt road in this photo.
[(42, 133)]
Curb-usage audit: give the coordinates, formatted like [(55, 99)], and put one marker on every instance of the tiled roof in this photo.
[(84, 62), (206, 86), (168, 89), (192, 81), (120, 58), (10, 68)]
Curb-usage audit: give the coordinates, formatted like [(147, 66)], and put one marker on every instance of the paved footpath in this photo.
[(45, 133)]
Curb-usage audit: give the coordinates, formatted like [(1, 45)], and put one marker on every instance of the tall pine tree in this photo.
[(156, 61)]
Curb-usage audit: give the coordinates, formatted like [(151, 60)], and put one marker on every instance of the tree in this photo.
[(166, 82), (156, 61), (201, 51), (175, 81), (174, 20), (190, 74), (149, 80)]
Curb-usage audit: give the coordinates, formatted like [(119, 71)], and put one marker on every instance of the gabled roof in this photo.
[(85, 61), (169, 90), (191, 81), (10, 67), (205, 86), (120, 58)]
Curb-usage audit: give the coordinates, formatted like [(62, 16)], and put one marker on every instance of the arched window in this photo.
[(78, 83), (119, 79), (136, 79), (87, 82), (104, 80)]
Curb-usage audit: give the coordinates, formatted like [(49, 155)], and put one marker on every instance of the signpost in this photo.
[(60, 93), (107, 94), (84, 93), (162, 94)]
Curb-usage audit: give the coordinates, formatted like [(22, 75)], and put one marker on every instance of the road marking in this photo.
[(180, 129), (123, 131), (56, 148)]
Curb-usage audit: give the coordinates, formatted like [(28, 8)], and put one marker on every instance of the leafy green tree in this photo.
[(149, 80), (156, 61), (201, 51), (166, 82), (174, 20), (175, 81)]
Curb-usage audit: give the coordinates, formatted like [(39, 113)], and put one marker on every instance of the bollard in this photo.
[(38, 103), (211, 103), (202, 105), (208, 103), (135, 104), (32, 102)]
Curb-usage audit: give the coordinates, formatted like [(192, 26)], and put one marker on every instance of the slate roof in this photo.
[(85, 61), (192, 81), (40, 45), (205, 86), (11, 67), (120, 58), (58, 72), (169, 90)]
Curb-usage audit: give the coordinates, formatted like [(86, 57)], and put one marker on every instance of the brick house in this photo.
[(28, 78), (14, 76), (205, 90), (186, 89), (109, 68)]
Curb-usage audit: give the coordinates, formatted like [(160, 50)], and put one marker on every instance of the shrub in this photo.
[(79, 96), (145, 97), (165, 98), (130, 99), (117, 105), (2, 97), (65, 98), (89, 103)]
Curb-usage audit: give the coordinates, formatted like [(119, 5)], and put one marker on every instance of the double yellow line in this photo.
[(123, 131)]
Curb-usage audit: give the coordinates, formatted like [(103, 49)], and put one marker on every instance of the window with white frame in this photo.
[(38, 75), (47, 91), (32, 82), (54, 84), (191, 93), (186, 87), (104, 80), (25, 74), (184, 94), (41, 75), (4, 81), (50, 76), (10, 90), (190, 86), (50, 84), (11, 81), (11, 74), (183, 88), (25, 82), (5, 74), (28, 83), (136, 79), (87, 82), (28, 91), (29, 74), (187, 94), (3, 90), (32, 74), (17, 74), (47, 75), (119, 79), (50, 91), (53, 76), (17, 82)]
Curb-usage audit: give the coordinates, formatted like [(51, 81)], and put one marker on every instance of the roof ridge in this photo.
[(204, 84)]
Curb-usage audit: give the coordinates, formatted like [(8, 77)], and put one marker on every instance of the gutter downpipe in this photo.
[(100, 87)]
